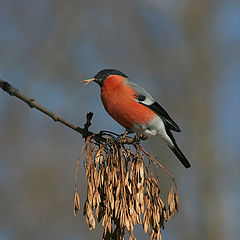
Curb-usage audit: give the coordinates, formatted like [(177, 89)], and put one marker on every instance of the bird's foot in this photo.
[(122, 137), (140, 136), (137, 138)]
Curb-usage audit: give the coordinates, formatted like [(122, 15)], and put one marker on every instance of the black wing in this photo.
[(147, 100), (158, 109)]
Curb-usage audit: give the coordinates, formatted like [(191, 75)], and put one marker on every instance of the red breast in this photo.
[(118, 100)]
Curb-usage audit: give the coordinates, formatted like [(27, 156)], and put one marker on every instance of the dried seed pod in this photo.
[(76, 203), (129, 187), (91, 222), (176, 201), (100, 214), (123, 191), (171, 204), (99, 156), (145, 224), (116, 207), (118, 189)]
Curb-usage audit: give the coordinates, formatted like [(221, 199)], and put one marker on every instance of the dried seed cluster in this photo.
[(123, 191)]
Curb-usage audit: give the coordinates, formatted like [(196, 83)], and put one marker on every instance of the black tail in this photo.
[(180, 156), (177, 151)]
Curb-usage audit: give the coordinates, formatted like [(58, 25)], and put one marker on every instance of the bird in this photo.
[(135, 109)]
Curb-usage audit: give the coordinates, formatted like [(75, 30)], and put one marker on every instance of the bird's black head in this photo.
[(103, 74)]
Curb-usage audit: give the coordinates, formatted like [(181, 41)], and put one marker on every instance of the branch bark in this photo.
[(12, 91)]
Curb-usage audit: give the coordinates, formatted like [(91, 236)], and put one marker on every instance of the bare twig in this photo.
[(33, 104)]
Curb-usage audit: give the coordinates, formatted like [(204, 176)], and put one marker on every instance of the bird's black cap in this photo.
[(103, 74)]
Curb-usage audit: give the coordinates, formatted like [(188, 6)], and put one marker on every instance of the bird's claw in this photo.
[(138, 137)]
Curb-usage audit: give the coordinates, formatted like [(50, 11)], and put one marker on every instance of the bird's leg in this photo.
[(137, 136), (140, 135), (125, 134), (122, 137)]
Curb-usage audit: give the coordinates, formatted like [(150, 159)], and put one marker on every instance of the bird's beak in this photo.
[(87, 81)]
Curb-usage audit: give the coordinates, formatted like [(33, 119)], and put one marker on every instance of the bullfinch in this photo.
[(135, 109)]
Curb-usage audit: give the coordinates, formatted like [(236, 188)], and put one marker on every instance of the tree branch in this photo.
[(98, 137), (12, 91)]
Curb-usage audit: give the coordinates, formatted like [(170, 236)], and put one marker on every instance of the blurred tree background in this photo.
[(186, 53)]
